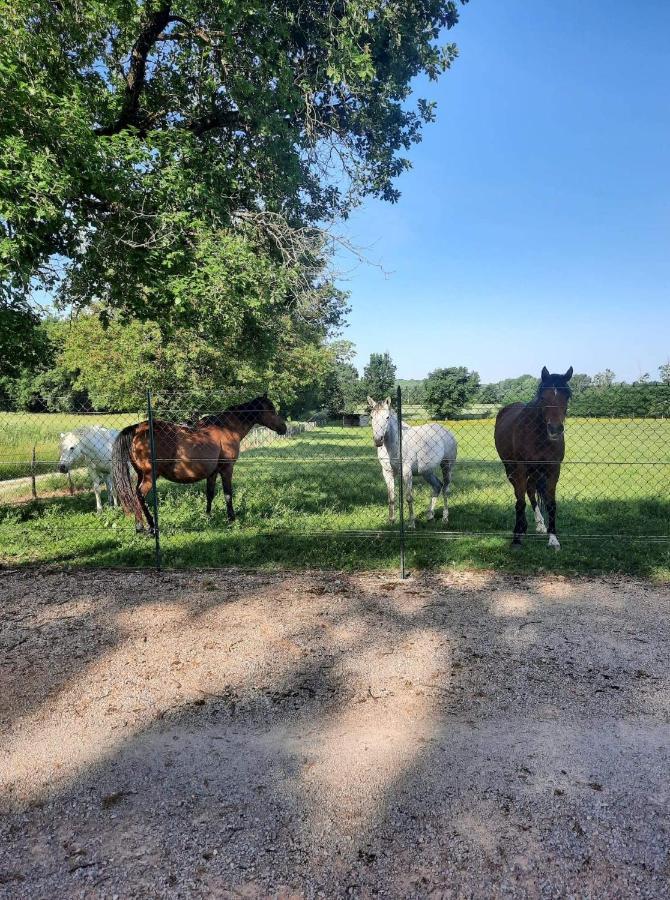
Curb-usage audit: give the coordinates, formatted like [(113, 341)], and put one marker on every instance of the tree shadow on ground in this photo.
[(261, 734)]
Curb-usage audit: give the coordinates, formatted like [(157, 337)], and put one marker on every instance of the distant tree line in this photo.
[(84, 364), (597, 396)]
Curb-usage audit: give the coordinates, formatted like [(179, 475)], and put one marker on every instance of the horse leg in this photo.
[(436, 486), (227, 482), (211, 490), (389, 478), (553, 473), (519, 480), (540, 527), (407, 479), (445, 465), (96, 490), (111, 496), (144, 485)]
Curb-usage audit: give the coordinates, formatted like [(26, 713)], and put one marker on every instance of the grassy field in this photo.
[(301, 500)]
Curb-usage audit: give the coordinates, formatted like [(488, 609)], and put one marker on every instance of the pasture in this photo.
[(319, 499)]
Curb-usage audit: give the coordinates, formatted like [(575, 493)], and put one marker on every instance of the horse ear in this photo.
[(387, 401), (62, 434), (371, 402), (265, 396), (568, 374), (545, 373)]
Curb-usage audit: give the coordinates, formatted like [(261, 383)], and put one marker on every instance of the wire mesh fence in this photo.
[(244, 487)]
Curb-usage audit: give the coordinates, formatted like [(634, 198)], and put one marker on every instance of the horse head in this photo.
[(553, 394), (380, 416), (70, 451), (267, 415)]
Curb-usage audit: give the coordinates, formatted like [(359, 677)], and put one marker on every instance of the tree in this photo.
[(153, 149), (664, 373), (449, 390), (580, 383), (604, 379), (489, 393), (111, 367), (379, 376)]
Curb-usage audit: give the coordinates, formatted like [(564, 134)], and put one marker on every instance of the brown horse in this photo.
[(530, 441), (187, 453)]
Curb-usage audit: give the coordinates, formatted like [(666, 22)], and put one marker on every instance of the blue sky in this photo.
[(534, 227)]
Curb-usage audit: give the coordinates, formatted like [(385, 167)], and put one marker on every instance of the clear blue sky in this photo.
[(534, 227)]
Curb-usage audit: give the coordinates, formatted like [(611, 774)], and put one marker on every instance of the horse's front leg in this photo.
[(97, 487), (211, 490), (389, 478), (227, 482), (519, 480), (550, 500), (407, 481), (112, 499)]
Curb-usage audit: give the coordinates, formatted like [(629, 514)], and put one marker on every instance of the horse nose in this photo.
[(62, 469)]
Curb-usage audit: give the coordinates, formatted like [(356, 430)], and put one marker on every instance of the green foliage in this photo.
[(448, 390), (641, 400), (413, 391), (604, 379), (664, 373), (153, 147), (379, 376)]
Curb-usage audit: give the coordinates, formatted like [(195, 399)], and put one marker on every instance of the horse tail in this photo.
[(120, 474)]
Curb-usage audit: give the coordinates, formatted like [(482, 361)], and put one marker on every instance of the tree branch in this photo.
[(135, 79)]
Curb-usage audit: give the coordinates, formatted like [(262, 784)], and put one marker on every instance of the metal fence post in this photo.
[(154, 490), (401, 486)]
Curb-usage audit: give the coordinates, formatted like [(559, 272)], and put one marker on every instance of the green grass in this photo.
[(20, 432), (300, 502)]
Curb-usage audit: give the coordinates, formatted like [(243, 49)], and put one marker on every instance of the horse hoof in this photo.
[(516, 546), (541, 529), (554, 543)]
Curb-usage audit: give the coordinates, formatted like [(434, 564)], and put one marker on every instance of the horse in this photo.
[(424, 448), (530, 441), (186, 453), (91, 447)]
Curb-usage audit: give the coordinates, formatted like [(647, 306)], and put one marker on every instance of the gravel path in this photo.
[(230, 734)]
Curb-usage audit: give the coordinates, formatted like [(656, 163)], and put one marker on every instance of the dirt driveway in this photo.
[(248, 735)]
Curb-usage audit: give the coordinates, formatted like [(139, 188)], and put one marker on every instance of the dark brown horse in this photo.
[(187, 453), (530, 441)]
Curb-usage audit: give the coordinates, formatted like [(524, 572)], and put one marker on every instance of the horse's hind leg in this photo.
[(407, 480), (144, 485), (436, 486), (446, 465)]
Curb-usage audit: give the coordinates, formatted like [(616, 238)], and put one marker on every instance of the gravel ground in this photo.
[(232, 734)]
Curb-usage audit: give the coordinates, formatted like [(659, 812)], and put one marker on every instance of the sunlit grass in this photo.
[(300, 500)]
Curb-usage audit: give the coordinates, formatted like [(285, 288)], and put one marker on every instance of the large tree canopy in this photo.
[(157, 154)]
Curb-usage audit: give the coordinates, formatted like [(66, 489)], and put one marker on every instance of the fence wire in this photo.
[(321, 493)]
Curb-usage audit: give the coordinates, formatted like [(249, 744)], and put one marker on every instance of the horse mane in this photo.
[(251, 406)]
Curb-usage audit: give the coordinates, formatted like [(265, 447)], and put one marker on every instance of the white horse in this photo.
[(424, 448), (91, 447)]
